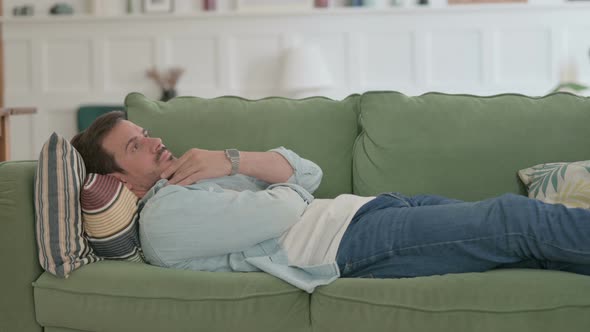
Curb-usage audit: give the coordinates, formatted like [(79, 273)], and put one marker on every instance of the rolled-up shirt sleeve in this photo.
[(306, 173)]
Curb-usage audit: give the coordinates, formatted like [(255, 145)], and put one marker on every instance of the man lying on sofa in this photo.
[(253, 211)]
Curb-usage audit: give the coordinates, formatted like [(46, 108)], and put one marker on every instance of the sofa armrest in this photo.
[(18, 247)]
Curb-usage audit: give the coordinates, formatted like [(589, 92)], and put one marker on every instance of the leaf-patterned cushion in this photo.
[(566, 183)]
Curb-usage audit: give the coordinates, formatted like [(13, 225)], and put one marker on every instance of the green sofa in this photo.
[(461, 146)]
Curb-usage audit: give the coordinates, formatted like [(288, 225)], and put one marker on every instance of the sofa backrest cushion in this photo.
[(319, 129), (464, 146)]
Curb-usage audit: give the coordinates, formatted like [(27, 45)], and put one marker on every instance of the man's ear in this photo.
[(121, 177)]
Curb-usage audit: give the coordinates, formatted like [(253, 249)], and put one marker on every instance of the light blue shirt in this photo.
[(232, 223)]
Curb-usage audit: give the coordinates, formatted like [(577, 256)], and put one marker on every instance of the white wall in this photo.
[(57, 64)]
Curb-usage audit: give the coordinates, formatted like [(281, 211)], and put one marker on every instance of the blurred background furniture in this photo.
[(305, 72), (5, 114), (87, 113)]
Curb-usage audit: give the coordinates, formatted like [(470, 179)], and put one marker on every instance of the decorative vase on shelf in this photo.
[(322, 3), (166, 81), (61, 9), (209, 5), (168, 94)]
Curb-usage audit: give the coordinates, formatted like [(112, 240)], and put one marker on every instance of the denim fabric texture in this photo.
[(396, 236)]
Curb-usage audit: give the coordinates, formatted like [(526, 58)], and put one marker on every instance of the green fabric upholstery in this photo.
[(319, 129), (124, 296), (59, 329), (500, 300), (463, 146), (88, 113), (18, 247)]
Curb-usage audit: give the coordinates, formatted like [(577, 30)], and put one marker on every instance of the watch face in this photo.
[(233, 153)]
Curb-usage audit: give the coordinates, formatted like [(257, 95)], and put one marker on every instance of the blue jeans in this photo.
[(395, 236)]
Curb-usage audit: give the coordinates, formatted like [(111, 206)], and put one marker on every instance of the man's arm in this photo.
[(270, 167), (305, 172), (197, 164), (180, 223)]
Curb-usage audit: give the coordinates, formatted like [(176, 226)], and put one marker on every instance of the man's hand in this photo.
[(195, 165)]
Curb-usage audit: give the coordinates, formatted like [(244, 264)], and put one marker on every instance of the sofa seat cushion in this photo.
[(499, 300), (125, 296)]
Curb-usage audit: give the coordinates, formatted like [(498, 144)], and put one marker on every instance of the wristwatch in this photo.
[(234, 156)]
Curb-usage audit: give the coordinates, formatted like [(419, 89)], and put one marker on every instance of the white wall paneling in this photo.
[(59, 63), (199, 55), (575, 50), (524, 56), (455, 57), (126, 60), (61, 74), (355, 64), (18, 76), (255, 62), (395, 63), (21, 133)]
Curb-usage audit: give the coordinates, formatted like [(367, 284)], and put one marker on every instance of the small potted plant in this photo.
[(166, 80)]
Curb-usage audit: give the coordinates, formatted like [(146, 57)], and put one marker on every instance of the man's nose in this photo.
[(155, 143)]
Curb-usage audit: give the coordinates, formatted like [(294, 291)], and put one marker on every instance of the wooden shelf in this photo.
[(402, 10)]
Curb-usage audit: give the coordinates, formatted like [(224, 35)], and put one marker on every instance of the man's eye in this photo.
[(147, 133)]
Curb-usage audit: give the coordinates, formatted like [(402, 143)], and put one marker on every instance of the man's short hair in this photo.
[(89, 144)]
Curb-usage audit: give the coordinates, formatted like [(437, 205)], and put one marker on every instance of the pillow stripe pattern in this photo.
[(110, 218), (60, 172), (121, 245)]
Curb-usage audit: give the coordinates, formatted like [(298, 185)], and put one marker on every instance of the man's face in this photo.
[(142, 157)]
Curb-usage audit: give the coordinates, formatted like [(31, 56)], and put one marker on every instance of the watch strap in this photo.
[(234, 157)]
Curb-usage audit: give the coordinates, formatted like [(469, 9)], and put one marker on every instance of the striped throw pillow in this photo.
[(58, 180), (110, 218)]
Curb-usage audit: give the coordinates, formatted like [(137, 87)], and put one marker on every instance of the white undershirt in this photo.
[(315, 238)]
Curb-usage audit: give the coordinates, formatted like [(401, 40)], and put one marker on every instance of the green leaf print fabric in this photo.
[(563, 183)]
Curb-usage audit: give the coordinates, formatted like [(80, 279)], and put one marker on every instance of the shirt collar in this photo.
[(153, 190)]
